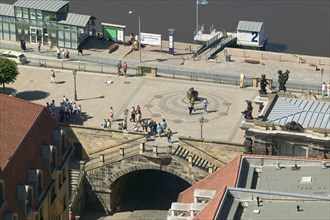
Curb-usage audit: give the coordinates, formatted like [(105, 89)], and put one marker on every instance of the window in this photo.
[(33, 14), (53, 160), (38, 15), (18, 12), (40, 182), (291, 150), (26, 13)]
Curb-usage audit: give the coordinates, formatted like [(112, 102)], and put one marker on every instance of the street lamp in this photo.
[(139, 38), (201, 122), (74, 72)]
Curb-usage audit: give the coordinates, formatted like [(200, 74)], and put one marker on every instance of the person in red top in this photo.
[(125, 69)]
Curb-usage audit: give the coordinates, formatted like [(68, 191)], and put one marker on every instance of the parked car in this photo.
[(16, 56)]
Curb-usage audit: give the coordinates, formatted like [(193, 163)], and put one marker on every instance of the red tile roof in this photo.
[(225, 177), (219, 180), (17, 116)]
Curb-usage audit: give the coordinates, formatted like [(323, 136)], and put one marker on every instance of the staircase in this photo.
[(73, 180), (197, 161)]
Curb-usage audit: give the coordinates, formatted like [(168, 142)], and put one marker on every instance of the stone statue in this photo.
[(263, 84), (282, 78), (248, 112), (192, 94), (293, 126)]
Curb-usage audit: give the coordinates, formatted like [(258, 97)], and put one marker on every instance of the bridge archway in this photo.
[(146, 189)]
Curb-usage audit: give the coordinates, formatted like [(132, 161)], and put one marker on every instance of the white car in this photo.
[(16, 56)]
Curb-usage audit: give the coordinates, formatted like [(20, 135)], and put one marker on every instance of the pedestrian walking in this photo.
[(205, 104), (58, 52), (50, 45), (80, 51), (324, 89), (190, 107), (111, 114), (119, 66), (169, 135), (328, 90), (132, 114), (23, 47), (39, 46), (125, 69), (52, 76), (242, 80)]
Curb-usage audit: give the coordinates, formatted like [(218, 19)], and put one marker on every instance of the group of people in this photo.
[(65, 111), (325, 89), (122, 68), (64, 54), (191, 105), (139, 124)]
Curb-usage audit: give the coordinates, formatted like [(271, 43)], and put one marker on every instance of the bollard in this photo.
[(121, 151), (102, 157), (155, 149), (141, 148), (190, 161)]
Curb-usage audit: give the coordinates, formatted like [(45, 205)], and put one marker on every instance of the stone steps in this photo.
[(197, 161), (73, 180)]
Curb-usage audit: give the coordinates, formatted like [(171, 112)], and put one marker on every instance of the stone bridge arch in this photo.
[(102, 178)]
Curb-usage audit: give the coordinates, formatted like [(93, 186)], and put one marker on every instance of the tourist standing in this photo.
[(119, 66), (205, 104), (159, 130), (242, 80), (169, 135), (324, 89), (58, 52), (190, 107), (39, 46), (164, 125), (125, 68), (111, 114), (132, 114)]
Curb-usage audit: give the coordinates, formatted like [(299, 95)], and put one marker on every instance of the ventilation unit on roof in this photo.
[(306, 179)]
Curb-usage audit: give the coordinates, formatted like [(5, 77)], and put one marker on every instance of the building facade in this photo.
[(289, 126), (45, 21), (34, 156)]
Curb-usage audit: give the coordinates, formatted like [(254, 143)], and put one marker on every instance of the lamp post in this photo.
[(139, 38), (201, 122), (74, 72)]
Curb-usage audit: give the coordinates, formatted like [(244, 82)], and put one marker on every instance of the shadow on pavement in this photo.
[(8, 91), (32, 95), (98, 97)]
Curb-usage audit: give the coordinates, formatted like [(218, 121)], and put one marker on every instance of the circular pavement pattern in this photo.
[(174, 107)]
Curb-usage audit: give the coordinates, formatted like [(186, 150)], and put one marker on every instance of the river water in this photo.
[(292, 26)]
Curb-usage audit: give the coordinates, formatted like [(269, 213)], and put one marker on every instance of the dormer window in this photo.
[(49, 156), (60, 140), (25, 198), (36, 181)]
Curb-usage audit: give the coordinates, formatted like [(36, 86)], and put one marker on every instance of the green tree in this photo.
[(8, 72)]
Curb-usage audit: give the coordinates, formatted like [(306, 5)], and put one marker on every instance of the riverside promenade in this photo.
[(159, 97)]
